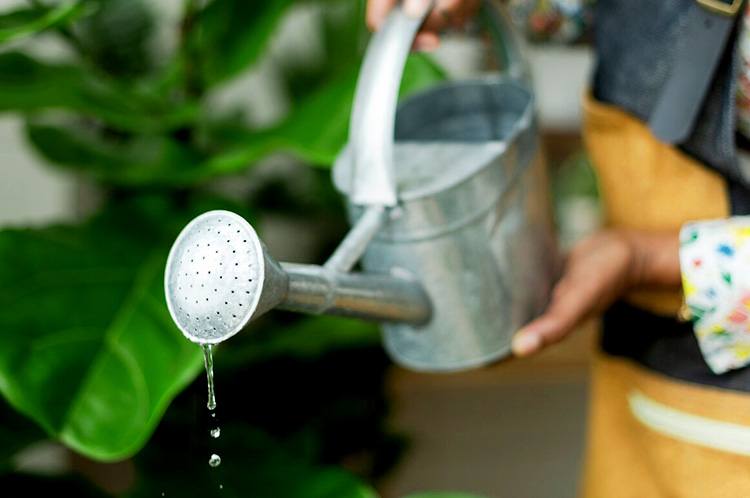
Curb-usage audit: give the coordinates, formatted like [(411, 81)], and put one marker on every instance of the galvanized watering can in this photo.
[(451, 223)]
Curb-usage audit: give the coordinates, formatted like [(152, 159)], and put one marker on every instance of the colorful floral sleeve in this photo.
[(715, 263)]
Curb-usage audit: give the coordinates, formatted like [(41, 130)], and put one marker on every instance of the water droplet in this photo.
[(221, 486), (213, 415), (215, 460), (215, 433)]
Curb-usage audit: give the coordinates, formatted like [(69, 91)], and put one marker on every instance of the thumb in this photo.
[(570, 305), (377, 10), (416, 8)]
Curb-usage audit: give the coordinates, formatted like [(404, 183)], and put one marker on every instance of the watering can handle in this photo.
[(371, 130), (374, 112)]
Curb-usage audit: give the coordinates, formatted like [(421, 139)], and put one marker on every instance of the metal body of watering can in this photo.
[(452, 224), (473, 222)]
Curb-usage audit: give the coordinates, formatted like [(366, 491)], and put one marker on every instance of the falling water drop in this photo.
[(208, 360), (215, 433), (215, 460)]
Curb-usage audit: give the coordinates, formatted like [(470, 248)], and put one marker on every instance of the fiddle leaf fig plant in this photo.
[(89, 356)]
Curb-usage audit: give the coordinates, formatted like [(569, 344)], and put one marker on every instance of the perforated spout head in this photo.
[(219, 276)]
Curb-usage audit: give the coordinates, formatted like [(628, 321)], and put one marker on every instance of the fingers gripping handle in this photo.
[(374, 112)]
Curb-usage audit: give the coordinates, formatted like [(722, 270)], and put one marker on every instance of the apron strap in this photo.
[(708, 26)]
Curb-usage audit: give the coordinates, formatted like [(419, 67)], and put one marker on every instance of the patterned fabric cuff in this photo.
[(715, 264)]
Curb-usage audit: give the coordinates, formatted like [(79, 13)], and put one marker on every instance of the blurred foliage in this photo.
[(442, 495), (575, 177), (88, 354)]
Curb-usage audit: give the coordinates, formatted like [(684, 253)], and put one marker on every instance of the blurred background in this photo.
[(122, 119)]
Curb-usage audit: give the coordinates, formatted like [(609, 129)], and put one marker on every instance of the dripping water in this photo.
[(208, 360)]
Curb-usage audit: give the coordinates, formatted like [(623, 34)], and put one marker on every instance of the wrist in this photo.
[(655, 258)]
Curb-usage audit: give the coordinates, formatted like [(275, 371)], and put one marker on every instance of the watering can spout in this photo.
[(220, 276)]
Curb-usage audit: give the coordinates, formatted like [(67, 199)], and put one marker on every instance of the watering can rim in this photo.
[(524, 122)]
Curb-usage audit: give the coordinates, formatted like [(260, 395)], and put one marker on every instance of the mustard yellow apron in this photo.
[(651, 436)]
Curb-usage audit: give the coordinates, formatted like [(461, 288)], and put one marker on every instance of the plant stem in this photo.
[(65, 33), (194, 85)]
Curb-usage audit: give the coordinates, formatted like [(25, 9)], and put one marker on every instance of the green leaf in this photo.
[(117, 38), (137, 160), (232, 34), (25, 22), (87, 348), (28, 85)]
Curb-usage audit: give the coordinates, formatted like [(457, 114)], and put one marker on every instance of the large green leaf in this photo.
[(25, 22), (315, 131), (87, 348), (29, 85), (232, 34)]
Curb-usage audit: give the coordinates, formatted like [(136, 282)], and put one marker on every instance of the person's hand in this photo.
[(598, 271), (445, 14)]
